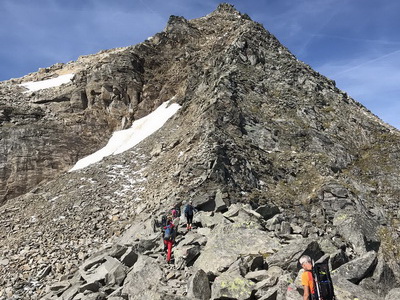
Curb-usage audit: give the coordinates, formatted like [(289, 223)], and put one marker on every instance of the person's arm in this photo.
[(306, 294)]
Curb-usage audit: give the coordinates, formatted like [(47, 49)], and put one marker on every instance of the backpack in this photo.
[(168, 235), (178, 212), (189, 210), (323, 281), (164, 220)]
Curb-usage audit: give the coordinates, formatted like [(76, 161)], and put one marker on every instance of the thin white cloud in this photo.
[(367, 62), (372, 81)]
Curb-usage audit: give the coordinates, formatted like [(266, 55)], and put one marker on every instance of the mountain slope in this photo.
[(256, 126)]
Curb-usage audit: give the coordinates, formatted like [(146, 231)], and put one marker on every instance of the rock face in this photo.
[(277, 160)]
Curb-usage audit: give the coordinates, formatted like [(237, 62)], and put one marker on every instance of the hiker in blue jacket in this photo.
[(189, 212)]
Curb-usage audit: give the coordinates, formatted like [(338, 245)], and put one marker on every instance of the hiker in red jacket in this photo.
[(169, 238)]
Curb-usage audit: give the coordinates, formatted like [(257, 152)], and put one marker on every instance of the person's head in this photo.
[(306, 262), (190, 202)]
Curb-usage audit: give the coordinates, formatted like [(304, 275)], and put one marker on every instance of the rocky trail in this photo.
[(239, 253)]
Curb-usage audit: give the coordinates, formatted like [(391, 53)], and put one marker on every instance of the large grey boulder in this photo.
[(270, 280), (228, 242), (142, 281), (257, 275), (140, 230), (243, 214), (185, 255), (287, 257), (109, 269), (359, 268), (345, 290), (358, 229), (199, 286), (393, 294), (209, 219)]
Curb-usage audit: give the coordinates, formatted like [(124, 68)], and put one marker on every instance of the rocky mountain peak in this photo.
[(269, 151)]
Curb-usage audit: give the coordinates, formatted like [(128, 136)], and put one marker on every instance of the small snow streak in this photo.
[(33, 86)]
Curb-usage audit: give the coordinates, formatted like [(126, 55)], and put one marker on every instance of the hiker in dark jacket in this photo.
[(189, 212), (169, 236)]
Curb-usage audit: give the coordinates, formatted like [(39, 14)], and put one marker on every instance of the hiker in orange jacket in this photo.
[(307, 279)]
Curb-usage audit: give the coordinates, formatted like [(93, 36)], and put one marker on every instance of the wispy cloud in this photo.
[(371, 81)]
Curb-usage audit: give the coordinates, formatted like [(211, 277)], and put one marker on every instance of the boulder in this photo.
[(232, 286), (129, 257), (359, 268), (345, 290), (383, 279), (287, 257), (209, 219), (220, 204), (292, 293), (270, 280), (185, 255), (239, 267), (109, 269), (142, 281), (270, 294), (256, 263), (338, 259), (204, 231), (358, 229), (394, 294), (257, 275), (199, 286), (140, 230), (268, 211), (60, 287), (222, 248), (70, 293)]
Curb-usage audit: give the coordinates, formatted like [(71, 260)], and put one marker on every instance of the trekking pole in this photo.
[(316, 281)]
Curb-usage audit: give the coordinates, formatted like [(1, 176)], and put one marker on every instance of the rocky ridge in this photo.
[(256, 126)]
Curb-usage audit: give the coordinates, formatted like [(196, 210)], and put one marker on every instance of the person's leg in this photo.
[(165, 245), (169, 245), (190, 221), (187, 222)]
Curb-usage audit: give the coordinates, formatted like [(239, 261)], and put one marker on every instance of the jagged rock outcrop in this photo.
[(256, 126)]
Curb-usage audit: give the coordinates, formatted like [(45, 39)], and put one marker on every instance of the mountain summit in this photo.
[(277, 160)]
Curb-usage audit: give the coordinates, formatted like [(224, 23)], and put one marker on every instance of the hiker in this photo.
[(169, 237), (175, 212), (176, 217), (189, 211), (307, 279)]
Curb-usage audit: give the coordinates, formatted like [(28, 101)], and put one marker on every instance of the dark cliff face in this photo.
[(256, 126)]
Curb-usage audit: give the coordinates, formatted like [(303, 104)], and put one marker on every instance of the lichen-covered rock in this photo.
[(232, 286)]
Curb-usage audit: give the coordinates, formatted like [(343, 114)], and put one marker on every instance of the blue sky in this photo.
[(354, 42)]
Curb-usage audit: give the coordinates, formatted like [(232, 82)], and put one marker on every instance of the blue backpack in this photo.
[(189, 210), (168, 233)]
